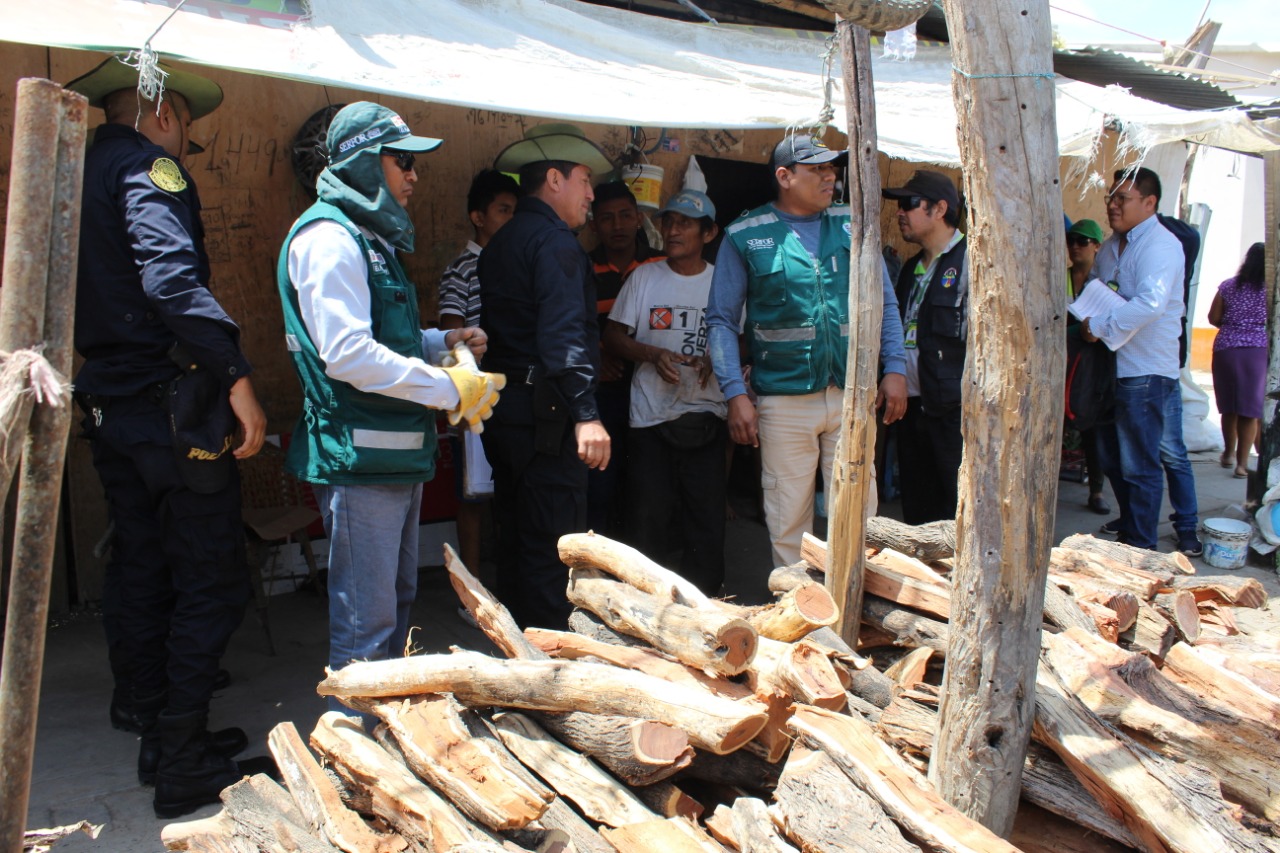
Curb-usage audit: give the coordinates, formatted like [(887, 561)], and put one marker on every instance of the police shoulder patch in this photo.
[(167, 176)]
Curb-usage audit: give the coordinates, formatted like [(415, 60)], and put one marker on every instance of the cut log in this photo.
[(214, 834), (720, 826), (753, 829), (814, 552), (873, 766), (823, 810), (1216, 618), (490, 614), (319, 802), (396, 795), (1063, 611), (799, 670), (708, 639), (907, 627), (639, 752), (786, 578), (575, 777), (712, 722), (437, 745), (799, 612), (901, 564), (661, 836), (1106, 623), (1137, 558), (1166, 807), (1151, 634), (666, 799), (1120, 602), (593, 551), (1265, 677), (871, 685), (911, 668), (928, 542), (1185, 666), (1180, 609), (931, 597), (1107, 572), (1225, 589), (560, 817), (257, 815)]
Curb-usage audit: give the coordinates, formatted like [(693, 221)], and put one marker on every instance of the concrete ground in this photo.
[(84, 769)]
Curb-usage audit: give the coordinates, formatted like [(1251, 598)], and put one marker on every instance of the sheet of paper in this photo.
[(477, 475), (1097, 300)]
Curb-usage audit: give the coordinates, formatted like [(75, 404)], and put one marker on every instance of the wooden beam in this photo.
[(1012, 402)]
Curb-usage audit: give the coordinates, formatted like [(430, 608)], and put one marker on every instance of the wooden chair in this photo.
[(274, 512)]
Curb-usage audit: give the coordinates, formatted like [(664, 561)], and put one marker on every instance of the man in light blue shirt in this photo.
[(1145, 263)]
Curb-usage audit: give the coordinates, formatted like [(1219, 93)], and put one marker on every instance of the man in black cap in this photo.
[(164, 385), (787, 264), (538, 305), (933, 292)]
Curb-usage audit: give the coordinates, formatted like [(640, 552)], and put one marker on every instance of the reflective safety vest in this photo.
[(797, 305), (345, 435)]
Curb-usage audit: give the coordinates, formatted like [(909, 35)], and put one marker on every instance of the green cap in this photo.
[(1087, 228), (364, 124)]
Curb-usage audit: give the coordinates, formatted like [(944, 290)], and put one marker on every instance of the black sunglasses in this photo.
[(911, 202), (404, 160), (1080, 240)]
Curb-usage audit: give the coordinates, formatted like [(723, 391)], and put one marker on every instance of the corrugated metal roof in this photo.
[(1103, 67)]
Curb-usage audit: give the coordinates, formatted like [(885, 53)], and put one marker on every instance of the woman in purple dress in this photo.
[(1239, 310)]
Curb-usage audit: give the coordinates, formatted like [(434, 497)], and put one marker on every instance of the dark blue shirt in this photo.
[(538, 306), (143, 272)]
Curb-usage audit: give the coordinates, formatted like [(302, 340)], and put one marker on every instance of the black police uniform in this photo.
[(177, 581), (538, 306)]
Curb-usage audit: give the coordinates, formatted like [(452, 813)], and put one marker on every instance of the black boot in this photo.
[(191, 774), (130, 714), (226, 742)]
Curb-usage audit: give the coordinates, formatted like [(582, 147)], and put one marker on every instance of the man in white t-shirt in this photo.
[(676, 447)]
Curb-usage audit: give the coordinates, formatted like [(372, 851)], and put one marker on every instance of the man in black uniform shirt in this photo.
[(163, 386), (538, 304)]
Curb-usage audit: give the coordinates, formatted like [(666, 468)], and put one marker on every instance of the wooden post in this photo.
[(1271, 409), (1012, 409), (41, 247), (855, 452)]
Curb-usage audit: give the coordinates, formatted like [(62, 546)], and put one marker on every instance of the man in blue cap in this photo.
[(366, 438), (787, 263), (161, 352), (677, 415)]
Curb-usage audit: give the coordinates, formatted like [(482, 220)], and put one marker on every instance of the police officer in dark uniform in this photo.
[(164, 386), (538, 304)]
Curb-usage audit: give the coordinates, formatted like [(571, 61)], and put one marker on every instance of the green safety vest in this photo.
[(345, 435), (797, 305)]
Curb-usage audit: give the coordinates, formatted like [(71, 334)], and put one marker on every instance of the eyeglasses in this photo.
[(1120, 199), (404, 160), (911, 202), (1080, 240)]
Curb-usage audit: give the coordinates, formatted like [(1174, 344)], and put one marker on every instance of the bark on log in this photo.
[(574, 776), (1137, 558), (1124, 690), (661, 836), (319, 801), (708, 639), (1151, 634), (823, 810), (753, 828), (585, 623), (928, 542), (712, 722), (1166, 807), (666, 799), (1225, 589), (437, 746), (800, 670), (1062, 610), (786, 578), (411, 808), (490, 614), (1105, 622), (799, 612), (593, 551), (871, 685), (871, 764), (256, 815), (1180, 609), (1123, 604), (740, 769), (1107, 572), (639, 752), (908, 627)]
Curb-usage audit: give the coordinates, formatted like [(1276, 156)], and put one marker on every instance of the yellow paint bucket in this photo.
[(645, 182)]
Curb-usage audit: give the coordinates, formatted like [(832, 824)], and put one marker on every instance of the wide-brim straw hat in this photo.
[(203, 96), (553, 142)]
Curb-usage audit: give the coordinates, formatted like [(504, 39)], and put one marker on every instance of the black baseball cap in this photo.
[(803, 148), (933, 186)]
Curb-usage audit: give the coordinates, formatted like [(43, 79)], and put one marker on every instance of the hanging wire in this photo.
[(819, 126), (147, 63)]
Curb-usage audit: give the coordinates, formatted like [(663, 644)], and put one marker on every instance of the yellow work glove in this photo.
[(477, 391)]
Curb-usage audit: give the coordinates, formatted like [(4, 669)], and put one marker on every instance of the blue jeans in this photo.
[(1130, 454), (373, 569), (1177, 467)]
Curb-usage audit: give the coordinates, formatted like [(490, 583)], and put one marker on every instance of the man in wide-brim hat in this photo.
[(164, 385), (538, 305)]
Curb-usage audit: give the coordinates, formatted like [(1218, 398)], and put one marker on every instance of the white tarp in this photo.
[(571, 60)]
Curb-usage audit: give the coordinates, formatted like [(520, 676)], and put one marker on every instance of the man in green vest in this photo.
[(366, 439), (787, 265)]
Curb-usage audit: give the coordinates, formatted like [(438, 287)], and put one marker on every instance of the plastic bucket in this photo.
[(645, 182), (1226, 542)]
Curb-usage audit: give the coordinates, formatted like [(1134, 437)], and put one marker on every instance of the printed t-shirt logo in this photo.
[(167, 176), (660, 317)]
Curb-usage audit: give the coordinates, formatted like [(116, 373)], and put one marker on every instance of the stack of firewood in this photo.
[(669, 721)]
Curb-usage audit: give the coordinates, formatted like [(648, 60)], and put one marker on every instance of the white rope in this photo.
[(147, 62)]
